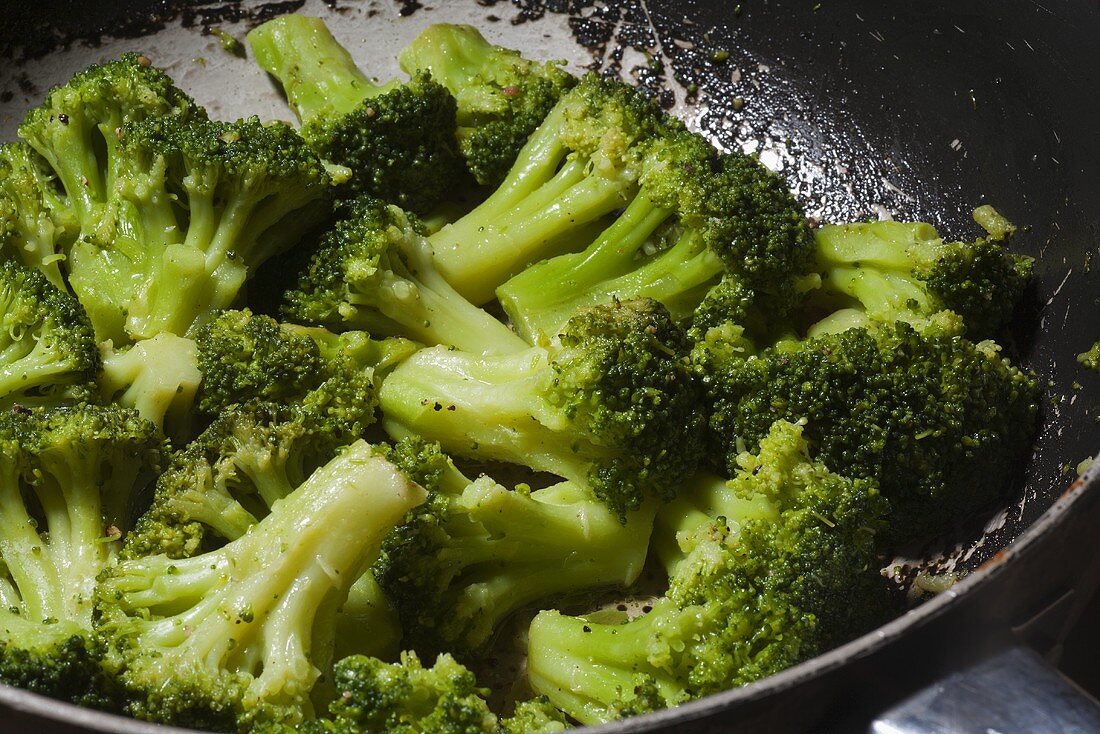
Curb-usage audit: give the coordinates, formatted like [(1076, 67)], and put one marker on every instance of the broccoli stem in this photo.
[(317, 73), (543, 297), (581, 665), (482, 407), (532, 215), (33, 572)]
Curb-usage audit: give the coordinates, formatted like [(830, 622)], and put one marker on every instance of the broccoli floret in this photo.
[(405, 698), (471, 555), (696, 218), (245, 356), (37, 227), (580, 165), (158, 377), (48, 352), (750, 597), (398, 140), (611, 405), (77, 128), (242, 633), (501, 97), (938, 421), (1090, 359), (69, 478), (885, 271), (374, 271), (535, 716), (198, 207)]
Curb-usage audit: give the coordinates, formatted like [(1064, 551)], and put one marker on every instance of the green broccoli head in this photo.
[(241, 634), (894, 270), (935, 419), (405, 697), (397, 140), (374, 271), (199, 206), (245, 356), (76, 129), (501, 97), (474, 553), (749, 597), (37, 225), (611, 405), (50, 355)]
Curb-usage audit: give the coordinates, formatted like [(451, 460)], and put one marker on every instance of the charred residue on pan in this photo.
[(79, 27)]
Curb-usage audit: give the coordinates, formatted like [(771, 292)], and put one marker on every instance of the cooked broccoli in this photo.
[(580, 165), (938, 421), (501, 97), (48, 352), (249, 458), (158, 377), (750, 596), (70, 476), (241, 634), (1091, 358), (475, 552), (404, 698), (37, 226), (374, 271), (245, 357), (200, 206), (698, 221), (888, 270), (612, 405), (398, 140), (77, 129)]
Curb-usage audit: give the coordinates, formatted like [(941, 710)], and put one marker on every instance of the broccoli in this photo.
[(580, 165), (241, 634), (501, 97), (475, 552), (750, 596), (70, 477), (249, 458), (374, 271), (936, 420), (888, 270), (398, 140), (247, 357), (48, 352), (37, 226), (77, 128), (698, 221), (158, 377), (612, 405), (198, 207), (1090, 359), (404, 698)]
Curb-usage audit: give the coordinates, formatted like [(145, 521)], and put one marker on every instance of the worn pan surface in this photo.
[(919, 110)]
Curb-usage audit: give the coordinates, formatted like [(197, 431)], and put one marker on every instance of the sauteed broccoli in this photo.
[(634, 371)]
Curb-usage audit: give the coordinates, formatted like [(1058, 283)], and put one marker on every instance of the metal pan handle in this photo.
[(1013, 692)]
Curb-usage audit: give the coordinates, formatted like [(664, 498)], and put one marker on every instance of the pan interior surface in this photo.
[(868, 110)]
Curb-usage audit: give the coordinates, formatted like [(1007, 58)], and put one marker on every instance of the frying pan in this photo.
[(912, 110)]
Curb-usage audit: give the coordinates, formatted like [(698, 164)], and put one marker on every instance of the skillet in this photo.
[(921, 110)]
